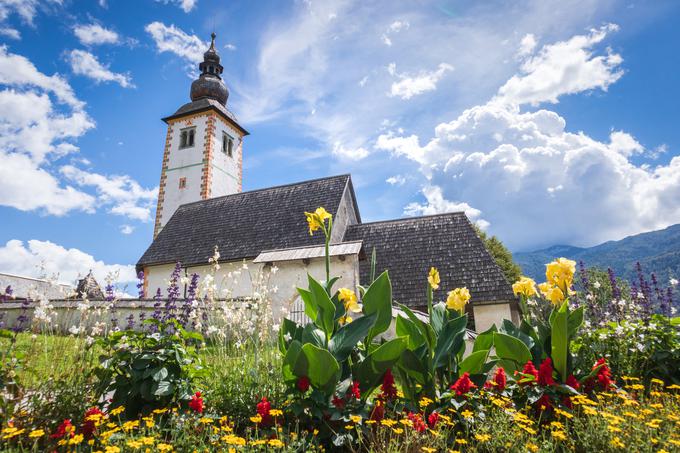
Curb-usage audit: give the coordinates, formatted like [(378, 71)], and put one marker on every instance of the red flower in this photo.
[(418, 423), (389, 391), (545, 373), (303, 384), (338, 402), (65, 429), (463, 384), (89, 426), (196, 403), (543, 403), (500, 379), (433, 419), (604, 374), (263, 408), (573, 382), (354, 390), (530, 369), (378, 412)]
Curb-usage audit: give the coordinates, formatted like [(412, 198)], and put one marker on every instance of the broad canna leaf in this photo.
[(484, 340), (322, 368), (312, 334), (373, 367), (424, 328), (325, 317), (559, 338), (413, 366), (378, 299), (449, 340), (347, 337), (407, 328), (575, 321), (474, 363), (311, 309), (439, 317), (510, 348)]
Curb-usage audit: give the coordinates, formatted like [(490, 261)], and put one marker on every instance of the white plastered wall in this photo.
[(243, 281), (489, 314), (225, 170)]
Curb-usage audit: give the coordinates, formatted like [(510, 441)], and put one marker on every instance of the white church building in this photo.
[(201, 205)]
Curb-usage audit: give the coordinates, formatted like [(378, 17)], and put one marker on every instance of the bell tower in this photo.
[(203, 155)]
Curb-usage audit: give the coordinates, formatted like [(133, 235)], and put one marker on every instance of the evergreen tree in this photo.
[(501, 255)]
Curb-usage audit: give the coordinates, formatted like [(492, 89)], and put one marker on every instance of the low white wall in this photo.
[(487, 315), (244, 278)]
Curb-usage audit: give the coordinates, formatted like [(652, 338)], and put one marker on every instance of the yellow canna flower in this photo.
[(433, 278), (316, 219), (457, 299), (348, 297), (525, 286), (552, 293), (560, 272)]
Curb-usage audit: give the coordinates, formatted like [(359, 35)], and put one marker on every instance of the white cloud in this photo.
[(230, 46), (437, 204), (409, 86), (85, 64), (527, 45), (186, 5), (565, 67), (25, 186), (44, 258), (396, 180), (395, 27), (175, 40), (127, 229), (92, 34), (10, 32), (351, 153), (122, 194)]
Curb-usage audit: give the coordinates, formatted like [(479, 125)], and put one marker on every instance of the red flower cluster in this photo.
[(530, 369), (378, 412), (354, 390), (263, 408), (499, 381), (463, 385), (303, 384), (66, 429), (196, 403), (389, 390), (604, 374), (545, 373), (89, 426), (338, 402), (543, 403), (417, 421), (573, 382), (433, 419)]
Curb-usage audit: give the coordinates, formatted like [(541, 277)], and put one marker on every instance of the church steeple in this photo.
[(209, 84)]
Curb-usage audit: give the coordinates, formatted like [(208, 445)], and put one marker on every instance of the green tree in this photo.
[(501, 255)]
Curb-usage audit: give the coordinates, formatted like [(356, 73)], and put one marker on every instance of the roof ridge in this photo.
[(262, 189), (410, 219)]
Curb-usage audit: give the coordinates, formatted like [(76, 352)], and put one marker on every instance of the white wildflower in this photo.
[(287, 336), (673, 281), (597, 285)]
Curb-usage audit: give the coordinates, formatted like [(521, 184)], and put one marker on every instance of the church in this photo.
[(201, 206)]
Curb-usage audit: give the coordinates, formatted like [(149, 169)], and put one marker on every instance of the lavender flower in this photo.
[(140, 284), (189, 301), (616, 292), (173, 292), (131, 322)]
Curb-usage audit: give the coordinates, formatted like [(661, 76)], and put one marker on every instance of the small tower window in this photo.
[(182, 183), (186, 137), (227, 144)]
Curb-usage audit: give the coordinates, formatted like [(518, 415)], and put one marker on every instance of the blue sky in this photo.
[(547, 122)]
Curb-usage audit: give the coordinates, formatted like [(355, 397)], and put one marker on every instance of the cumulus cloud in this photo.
[(127, 229), (437, 204), (396, 180), (85, 64), (92, 34), (565, 67), (351, 153), (424, 81), (10, 32), (395, 27), (37, 258), (536, 182), (122, 194), (186, 5), (169, 38), (527, 45)]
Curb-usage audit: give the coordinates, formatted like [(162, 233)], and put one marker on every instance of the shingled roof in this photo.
[(409, 247), (244, 224)]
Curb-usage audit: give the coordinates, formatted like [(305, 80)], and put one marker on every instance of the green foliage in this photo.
[(147, 371), (501, 255)]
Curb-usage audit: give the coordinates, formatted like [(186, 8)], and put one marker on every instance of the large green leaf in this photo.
[(311, 309), (452, 331), (424, 328), (474, 363), (321, 367), (575, 321), (484, 340), (413, 366), (289, 331), (311, 334), (373, 367), (559, 338), (325, 308), (378, 299), (439, 317), (511, 348), (407, 328), (290, 359), (347, 337)]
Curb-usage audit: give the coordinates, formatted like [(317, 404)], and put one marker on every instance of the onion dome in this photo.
[(209, 84)]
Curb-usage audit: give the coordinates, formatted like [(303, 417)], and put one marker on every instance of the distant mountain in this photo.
[(657, 251)]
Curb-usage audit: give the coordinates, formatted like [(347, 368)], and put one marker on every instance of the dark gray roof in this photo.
[(409, 247), (243, 225), (201, 105)]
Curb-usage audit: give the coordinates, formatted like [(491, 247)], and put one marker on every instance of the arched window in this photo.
[(183, 139), (227, 144), (191, 137), (186, 137)]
